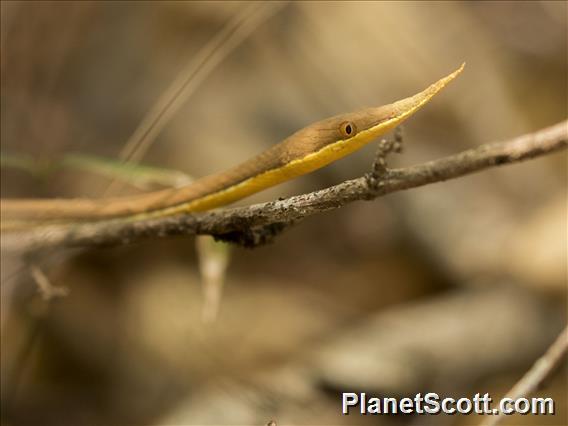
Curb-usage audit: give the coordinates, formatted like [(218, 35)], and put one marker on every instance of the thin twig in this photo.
[(386, 146), (538, 373), (258, 223)]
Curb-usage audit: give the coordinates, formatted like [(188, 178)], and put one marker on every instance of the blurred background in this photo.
[(453, 288)]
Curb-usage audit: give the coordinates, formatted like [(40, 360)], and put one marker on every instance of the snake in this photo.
[(305, 151)]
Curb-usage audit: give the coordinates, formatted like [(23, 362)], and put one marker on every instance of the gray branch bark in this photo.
[(259, 223)]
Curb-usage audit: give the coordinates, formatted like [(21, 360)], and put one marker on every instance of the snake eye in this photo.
[(347, 128)]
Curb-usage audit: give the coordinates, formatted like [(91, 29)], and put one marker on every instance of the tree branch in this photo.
[(538, 373), (259, 223)]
